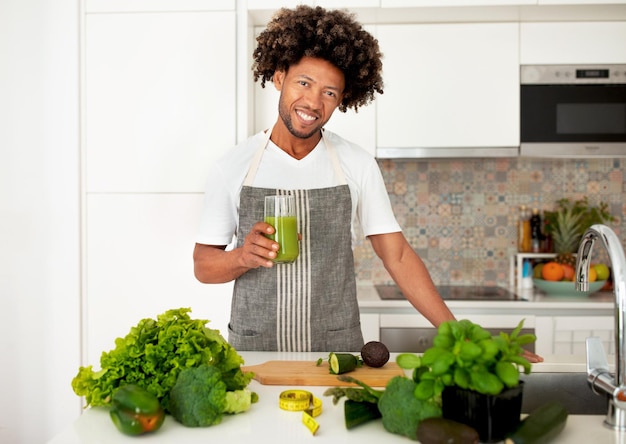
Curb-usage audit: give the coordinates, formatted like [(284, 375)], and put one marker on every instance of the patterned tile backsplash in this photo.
[(460, 215)]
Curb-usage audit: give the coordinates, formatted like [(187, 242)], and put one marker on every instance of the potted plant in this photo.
[(475, 376)]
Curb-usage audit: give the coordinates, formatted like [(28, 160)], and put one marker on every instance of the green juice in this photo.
[(286, 235)]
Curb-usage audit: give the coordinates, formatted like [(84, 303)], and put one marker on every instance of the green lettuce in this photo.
[(153, 354)]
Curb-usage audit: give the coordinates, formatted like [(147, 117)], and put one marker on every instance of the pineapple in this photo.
[(566, 235)]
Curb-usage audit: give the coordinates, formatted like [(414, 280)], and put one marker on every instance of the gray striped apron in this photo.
[(308, 305)]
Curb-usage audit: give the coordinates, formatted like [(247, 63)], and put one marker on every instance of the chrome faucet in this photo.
[(598, 375)]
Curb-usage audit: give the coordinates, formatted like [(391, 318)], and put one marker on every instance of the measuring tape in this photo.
[(302, 401)]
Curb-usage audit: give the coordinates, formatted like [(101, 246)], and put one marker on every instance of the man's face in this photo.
[(309, 93)]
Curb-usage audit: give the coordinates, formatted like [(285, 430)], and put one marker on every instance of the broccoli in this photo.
[(200, 397), (401, 410)]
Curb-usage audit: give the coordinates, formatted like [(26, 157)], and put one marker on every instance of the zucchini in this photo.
[(359, 412), (339, 363), (541, 426), (436, 430)]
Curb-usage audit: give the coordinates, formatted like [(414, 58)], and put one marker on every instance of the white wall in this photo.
[(39, 218)]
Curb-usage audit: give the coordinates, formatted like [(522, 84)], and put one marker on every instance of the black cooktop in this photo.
[(454, 292)]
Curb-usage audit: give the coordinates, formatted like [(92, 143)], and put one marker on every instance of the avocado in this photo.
[(375, 354), (445, 431)]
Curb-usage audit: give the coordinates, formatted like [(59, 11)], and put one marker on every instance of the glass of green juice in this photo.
[(280, 212)]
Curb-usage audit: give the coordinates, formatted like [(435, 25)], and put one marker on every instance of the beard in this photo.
[(283, 112)]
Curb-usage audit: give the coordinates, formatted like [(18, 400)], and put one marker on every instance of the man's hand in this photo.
[(532, 357), (257, 250)]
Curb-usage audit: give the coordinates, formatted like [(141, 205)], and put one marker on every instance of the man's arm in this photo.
[(410, 274), (214, 265)]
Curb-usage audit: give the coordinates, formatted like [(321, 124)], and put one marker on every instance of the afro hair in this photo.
[(331, 35)]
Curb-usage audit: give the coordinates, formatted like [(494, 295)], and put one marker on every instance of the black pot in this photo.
[(492, 416)]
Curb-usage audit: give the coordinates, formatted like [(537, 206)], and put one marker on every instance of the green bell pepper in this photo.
[(136, 411)]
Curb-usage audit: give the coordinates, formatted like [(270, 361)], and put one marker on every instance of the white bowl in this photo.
[(566, 288)]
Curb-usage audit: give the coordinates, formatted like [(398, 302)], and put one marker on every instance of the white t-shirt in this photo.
[(370, 201)]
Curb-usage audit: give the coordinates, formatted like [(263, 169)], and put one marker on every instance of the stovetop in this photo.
[(454, 292)]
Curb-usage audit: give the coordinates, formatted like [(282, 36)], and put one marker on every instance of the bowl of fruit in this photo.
[(556, 279)]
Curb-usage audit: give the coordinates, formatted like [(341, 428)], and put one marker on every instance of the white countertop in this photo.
[(266, 421)]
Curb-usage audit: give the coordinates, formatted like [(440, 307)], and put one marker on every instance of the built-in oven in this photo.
[(573, 110)]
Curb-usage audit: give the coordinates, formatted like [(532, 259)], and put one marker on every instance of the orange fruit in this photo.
[(552, 271), (593, 274), (568, 272)]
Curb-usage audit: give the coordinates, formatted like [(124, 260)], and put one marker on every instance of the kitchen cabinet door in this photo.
[(159, 99), (449, 85), (139, 264), (556, 43), (567, 335), (462, 3)]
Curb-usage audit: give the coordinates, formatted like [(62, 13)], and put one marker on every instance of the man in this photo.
[(319, 60)]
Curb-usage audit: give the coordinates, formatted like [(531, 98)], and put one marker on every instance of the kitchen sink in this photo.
[(571, 389)]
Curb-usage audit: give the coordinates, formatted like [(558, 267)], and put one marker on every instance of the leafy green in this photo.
[(466, 355), (153, 354), (200, 397)]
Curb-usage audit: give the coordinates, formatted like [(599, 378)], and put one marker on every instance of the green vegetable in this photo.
[(445, 431), (357, 413), (541, 426), (466, 355), (402, 412), (361, 405), (154, 353), (353, 393), (339, 363), (135, 411), (200, 397)]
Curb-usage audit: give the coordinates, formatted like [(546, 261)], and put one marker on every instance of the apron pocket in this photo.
[(250, 340), (345, 340)]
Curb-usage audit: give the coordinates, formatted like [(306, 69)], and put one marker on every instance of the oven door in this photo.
[(573, 113)]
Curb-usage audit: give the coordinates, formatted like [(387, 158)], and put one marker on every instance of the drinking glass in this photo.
[(280, 212)]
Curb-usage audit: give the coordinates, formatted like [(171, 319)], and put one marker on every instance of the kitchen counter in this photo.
[(265, 421), (529, 301)]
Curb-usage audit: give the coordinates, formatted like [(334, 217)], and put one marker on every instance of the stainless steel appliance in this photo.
[(573, 110), (410, 338)]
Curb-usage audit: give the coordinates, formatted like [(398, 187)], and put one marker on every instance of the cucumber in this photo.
[(541, 426), (436, 430), (339, 363), (359, 412)]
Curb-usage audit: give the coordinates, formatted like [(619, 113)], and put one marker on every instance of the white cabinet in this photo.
[(159, 99), (277, 4), (462, 3), (566, 335), (449, 85), (159, 106), (139, 264), (556, 43)]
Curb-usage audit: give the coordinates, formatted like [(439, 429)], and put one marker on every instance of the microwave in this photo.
[(573, 110)]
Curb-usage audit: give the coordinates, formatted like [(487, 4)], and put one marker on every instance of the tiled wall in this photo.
[(460, 215)]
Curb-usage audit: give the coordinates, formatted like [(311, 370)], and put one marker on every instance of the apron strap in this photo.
[(335, 160), (256, 160)]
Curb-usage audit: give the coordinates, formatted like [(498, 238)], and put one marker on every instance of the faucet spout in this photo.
[(616, 417)]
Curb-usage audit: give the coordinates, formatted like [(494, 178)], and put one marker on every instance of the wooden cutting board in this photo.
[(309, 373)]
